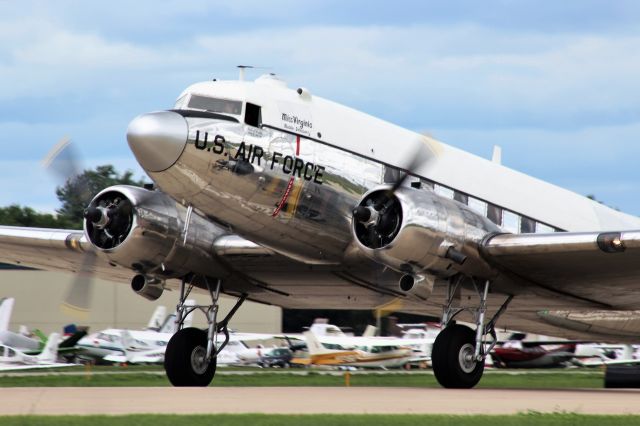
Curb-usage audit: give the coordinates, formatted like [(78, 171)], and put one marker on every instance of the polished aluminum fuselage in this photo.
[(295, 195)]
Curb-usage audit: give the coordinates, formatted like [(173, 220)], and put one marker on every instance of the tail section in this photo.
[(157, 318), (6, 307), (72, 340), (370, 331), (50, 352), (313, 344)]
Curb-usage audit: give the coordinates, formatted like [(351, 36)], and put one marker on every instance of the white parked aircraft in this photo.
[(12, 359), (277, 195), (138, 350), (110, 342), (11, 339)]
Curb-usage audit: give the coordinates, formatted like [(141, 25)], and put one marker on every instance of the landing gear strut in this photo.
[(190, 357), (459, 352)]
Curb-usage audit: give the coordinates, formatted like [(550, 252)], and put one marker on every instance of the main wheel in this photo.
[(452, 358), (185, 359)]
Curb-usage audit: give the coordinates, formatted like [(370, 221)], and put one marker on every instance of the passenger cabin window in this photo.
[(527, 225), (223, 106), (426, 184), (391, 174), (541, 228), (253, 115), (478, 205), (444, 191), (494, 214), (459, 196), (510, 221)]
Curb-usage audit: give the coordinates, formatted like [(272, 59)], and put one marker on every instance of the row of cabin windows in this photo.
[(506, 219)]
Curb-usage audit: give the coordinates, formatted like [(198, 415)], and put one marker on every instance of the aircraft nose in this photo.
[(157, 139)]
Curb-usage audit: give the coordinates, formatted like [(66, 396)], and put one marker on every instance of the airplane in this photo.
[(273, 194), (519, 352), (371, 353), (533, 355), (138, 350), (97, 346), (12, 359), (31, 345)]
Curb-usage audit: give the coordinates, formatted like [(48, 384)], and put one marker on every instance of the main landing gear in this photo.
[(190, 357), (459, 352)]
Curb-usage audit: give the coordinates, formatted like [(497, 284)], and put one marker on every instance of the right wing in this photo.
[(61, 250)]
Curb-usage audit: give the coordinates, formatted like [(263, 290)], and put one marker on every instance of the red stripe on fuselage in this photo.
[(283, 200)]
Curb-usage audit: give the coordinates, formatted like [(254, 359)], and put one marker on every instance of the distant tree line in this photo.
[(74, 195)]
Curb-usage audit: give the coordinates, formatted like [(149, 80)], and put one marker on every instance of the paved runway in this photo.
[(312, 400)]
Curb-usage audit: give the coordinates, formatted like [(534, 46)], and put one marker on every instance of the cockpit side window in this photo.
[(181, 102), (223, 106), (253, 115)]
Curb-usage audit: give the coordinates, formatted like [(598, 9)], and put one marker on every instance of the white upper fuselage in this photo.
[(349, 130)]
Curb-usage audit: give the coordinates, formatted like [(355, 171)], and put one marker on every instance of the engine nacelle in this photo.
[(421, 233), (145, 231)]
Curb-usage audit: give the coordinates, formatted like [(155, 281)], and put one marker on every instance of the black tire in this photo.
[(184, 350), (446, 358), (622, 376)]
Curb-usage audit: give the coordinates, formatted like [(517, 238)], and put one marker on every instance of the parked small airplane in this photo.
[(520, 353), (13, 359), (31, 345), (370, 353), (236, 351), (108, 342)]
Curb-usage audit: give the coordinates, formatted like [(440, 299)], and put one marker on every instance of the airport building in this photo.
[(39, 295)]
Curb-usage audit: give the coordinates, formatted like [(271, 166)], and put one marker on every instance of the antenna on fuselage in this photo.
[(242, 69)]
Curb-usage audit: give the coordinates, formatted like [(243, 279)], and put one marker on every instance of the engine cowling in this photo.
[(418, 232), (144, 230)]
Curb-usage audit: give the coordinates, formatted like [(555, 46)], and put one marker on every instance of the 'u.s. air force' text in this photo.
[(290, 165)]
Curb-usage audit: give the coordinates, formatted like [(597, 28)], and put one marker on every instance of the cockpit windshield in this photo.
[(215, 105)]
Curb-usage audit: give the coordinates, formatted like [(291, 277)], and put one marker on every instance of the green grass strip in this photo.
[(560, 419), (559, 380)]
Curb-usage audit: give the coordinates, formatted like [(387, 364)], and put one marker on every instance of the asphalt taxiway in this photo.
[(312, 400)]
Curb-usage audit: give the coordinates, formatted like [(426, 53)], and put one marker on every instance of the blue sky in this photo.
[(556, 84)]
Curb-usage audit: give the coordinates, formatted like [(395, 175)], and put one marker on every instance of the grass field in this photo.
[(560, 419), (152, 376)]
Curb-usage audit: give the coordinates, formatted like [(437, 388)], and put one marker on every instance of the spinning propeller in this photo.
[(62, 161)]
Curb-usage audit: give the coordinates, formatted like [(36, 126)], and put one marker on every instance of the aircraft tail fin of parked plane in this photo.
[(157, 318), (50, 351), (314, 345), (6, 307), (370, 331)]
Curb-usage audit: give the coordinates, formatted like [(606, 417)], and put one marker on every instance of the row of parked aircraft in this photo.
[(323, 345)]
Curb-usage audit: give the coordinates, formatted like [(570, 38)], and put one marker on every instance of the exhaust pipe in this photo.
[(419, 285), (148, 287)]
